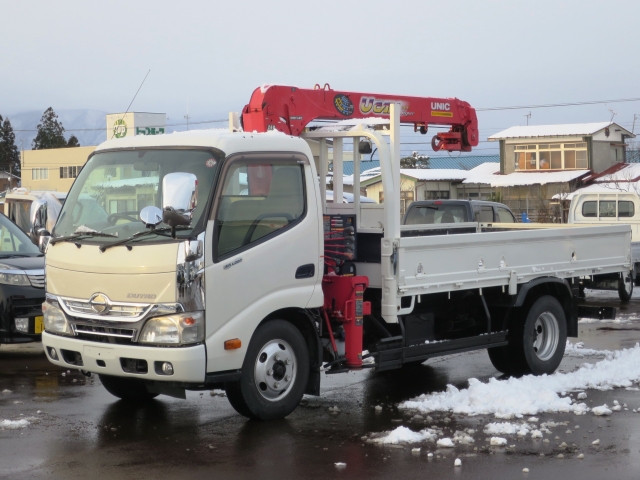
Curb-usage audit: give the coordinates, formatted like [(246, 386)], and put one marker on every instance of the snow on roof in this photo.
[(523, 178), (552, 130), (627, 173), (434, 173)]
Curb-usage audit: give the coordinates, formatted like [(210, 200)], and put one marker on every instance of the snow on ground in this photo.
[(14, 424), (405, 435), (530, 395), (578, 350), (506, 428)]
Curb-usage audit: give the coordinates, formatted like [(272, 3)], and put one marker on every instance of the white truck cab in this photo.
[(599, 205), (215, 260)]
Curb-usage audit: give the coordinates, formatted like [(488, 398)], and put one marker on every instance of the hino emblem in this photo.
[(100, 303)]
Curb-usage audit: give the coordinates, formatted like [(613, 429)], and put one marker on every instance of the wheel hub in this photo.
[(275, 370), (546, 334)]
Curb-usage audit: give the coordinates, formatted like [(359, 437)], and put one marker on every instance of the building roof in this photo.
[(463, 162), (563, 130), (526, 178), (619, 172), (347, 167)]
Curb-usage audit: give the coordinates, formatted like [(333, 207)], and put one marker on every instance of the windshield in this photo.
[(14, 241), (420, 215), (113, 187)]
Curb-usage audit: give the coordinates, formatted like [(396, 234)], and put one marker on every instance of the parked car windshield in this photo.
[(113, 187), (427, 214), (14, 241)]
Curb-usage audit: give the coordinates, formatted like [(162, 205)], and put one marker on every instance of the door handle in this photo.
[(306, 271)]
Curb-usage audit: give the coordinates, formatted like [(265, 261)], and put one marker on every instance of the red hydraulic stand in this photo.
[(344, 302)]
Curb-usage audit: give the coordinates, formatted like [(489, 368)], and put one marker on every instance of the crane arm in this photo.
[(290, 109)]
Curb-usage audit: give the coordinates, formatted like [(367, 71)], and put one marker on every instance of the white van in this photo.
[(607, 206)]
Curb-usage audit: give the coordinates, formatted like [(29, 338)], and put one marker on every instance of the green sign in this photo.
[(120, 128), (149, 130)]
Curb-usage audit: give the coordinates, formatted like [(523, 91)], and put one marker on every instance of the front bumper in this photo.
[(189, 363), (19, 301)]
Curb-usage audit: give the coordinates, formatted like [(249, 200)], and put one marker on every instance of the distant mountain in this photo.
[(88, 125)]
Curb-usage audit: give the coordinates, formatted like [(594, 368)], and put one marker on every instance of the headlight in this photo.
[(14, 279), (54, 320), (179, 329)]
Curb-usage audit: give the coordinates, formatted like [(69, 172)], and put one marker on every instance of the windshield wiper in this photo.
[(77, 235), (158, 231)]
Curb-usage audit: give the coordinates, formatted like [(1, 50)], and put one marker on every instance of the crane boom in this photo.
[(290, 109)]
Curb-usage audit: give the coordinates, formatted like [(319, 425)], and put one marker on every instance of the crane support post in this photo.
[(290, 109)]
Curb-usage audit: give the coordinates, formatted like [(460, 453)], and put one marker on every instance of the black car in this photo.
[(457, 211), (21, 285)]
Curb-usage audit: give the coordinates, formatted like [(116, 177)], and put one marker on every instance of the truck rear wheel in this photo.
[(625, 287), (537, 342), (274, 373), (130, 389)]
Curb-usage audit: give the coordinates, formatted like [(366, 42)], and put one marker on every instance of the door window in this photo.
[(504, 215), (486, 214), (258, 200), (625, 209)]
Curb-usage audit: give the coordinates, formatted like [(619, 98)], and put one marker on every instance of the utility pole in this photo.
[(634, 122), (187, 115), (528, 115)]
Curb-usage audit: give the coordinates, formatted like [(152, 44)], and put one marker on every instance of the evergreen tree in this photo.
[(73, 141), (415, 161), (9, 154), (50, 132)]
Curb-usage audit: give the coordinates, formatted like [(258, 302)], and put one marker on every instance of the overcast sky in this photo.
[(212, 54)]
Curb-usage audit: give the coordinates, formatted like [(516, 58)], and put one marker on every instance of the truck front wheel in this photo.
[(274, 373), (130, 389), (536, 345)]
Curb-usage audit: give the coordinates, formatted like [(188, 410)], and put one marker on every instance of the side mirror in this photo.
[(43, 239), (38, 219), (179, 198)]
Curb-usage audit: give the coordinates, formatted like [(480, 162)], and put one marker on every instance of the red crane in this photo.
[(290, 109)]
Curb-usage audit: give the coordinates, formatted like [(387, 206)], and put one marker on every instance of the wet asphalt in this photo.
[(78, 430)]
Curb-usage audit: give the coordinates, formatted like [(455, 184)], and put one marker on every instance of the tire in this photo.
[(277, 351), (500, 359), (537, 341), (130, 389), (625, 287)]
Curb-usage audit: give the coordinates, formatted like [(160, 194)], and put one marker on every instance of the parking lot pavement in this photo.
[(72, 428)]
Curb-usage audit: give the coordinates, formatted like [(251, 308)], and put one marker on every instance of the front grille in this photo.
[(126, 311), (37, 281), (94, 330)]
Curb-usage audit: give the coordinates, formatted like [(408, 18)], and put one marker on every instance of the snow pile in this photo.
[(530, 395), (578, 350), (445, 443), (14, 424), (498, 442), (506, 428), (405, 435), (601, 410)]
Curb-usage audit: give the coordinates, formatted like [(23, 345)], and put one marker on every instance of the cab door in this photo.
[(265, 249)]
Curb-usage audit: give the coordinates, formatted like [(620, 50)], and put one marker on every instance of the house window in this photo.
[(39, 174), (69, 172), (555, 156), (437, 195)]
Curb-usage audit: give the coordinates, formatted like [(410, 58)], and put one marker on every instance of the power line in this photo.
[(566, 104), (105, 128)]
